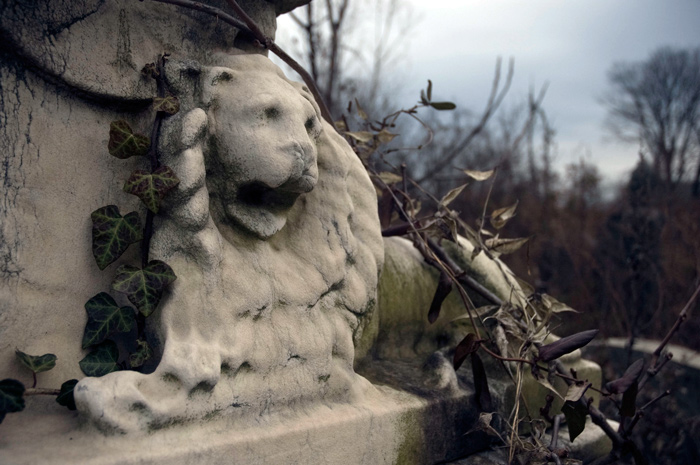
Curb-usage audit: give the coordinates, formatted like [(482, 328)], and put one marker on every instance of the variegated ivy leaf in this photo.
[(37, 363), (151, 187), (112, 234), (144, 287), (105, 317), (169, 104), (123, 143), (102, 360)]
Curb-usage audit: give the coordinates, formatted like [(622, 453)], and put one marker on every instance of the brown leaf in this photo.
[(451, 195), (466, 346), (479, 175), (576, 391), (481, 385), (505, 246), (444, 288), (566, 345), (389, 178), (361, 136), (500, 217), (630, 376)]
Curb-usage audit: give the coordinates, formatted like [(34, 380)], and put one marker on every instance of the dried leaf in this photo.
[(466, 346), (123, 143), (430, 89), (443, 105), (360, 112), (500, 217), (451, 195), (361, 136), (576, 391), (544, 381), (623, 383), (566, 345), (384, 136), (37, 363), (112, 234), (575, 414), (151, 187), (505, 246), (444, 288), (398, 230), (102, 360), (479, 175), (144, 287), (481, 385), (65, 397), (169, 104), (389, 178), (629, 400)]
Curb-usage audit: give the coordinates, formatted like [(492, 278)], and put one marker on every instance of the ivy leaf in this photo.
[(566, 345), (443, 105), (112, 234), (123, 143), (11, 397), (37, 363), (151, 187), (575, 415), (169, 104), (102, 360), (144, 287), (65, 397), (105, 317), (142, 354)]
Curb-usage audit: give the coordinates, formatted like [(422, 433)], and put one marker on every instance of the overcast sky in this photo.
[(568, 43)]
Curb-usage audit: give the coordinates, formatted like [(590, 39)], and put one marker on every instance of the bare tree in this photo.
[(657, 103), (349, 44)]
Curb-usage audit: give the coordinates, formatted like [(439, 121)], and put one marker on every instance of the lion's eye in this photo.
[(272, 112), (310, 123)]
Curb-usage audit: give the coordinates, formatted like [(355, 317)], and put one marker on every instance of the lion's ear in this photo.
[(306, 93), (213, 79)]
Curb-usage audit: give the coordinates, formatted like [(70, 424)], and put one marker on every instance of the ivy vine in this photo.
[(109, 324)]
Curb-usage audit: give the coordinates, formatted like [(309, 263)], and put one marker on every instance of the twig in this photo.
[(274, 48), (35, 391), (640, 411), (249, 26)]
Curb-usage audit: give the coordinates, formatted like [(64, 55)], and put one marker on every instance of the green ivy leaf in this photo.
[(65, 397), (151, 187), (144, 287), (37, 363), (112, 234), (142, 354), (169, 104), (11, 397), (575, 414), (102, 360), (443, 105), (123, 143), (105, 317)]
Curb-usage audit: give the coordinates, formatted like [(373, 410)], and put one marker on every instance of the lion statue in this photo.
[(274, 237)]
